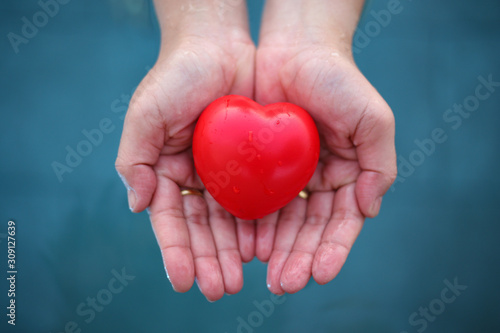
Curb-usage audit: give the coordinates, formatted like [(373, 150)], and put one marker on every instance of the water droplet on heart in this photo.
[(236, 190), (250, 136), (280, 163), (259, 157), (261, 171), (269, 191)]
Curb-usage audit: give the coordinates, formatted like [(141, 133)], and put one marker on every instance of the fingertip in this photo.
[(140, 181), (328, 262), (370, 188), (264, 238), (375, 207), (180, 285), (209, 278), (246, 239), (179, 268), (296, 273), (274, 271), (277, 290), (211, 295), (264, 243), (232, 271)]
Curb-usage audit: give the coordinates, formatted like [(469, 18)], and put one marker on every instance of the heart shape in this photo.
[(254, 159)]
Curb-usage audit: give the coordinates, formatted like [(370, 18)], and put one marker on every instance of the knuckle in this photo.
[(120, 167)]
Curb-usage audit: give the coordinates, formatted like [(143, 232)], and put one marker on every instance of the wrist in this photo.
[(310, 22), (207, 19)]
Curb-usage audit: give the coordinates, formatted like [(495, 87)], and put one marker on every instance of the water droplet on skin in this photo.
[(250, 136), (236, 190)]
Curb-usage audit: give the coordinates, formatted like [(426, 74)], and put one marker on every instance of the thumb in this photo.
[(374, 141), (140, 147)]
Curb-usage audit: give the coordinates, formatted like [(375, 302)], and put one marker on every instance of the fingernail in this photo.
[(132, 198), (375, 208)]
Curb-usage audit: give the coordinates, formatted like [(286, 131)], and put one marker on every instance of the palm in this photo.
[(314, 237), (196, 236)]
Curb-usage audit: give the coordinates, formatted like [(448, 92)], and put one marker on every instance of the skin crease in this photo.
[(304, 58)]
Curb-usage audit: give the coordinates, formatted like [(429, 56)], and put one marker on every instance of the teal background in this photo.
[(441, 223)]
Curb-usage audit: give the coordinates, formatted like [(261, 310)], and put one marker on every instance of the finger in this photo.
[(208, 271), (290, 220), (140, 146), (374, 141), (264, 241), (339, 235), (246, 239), (226, 242), (333, 172), (180, 169), (169, 225), (298, 267), (274, 268)]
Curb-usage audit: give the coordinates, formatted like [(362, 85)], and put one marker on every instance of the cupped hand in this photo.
[(197, 238), (357, 164)]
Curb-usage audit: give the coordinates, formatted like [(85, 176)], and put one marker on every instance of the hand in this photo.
[(310, 64), (199, 62)]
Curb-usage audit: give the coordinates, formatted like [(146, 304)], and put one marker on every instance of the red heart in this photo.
[(254, 159)]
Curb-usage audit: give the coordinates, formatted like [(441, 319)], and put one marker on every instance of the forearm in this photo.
[(319, 21), (202, 18)]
